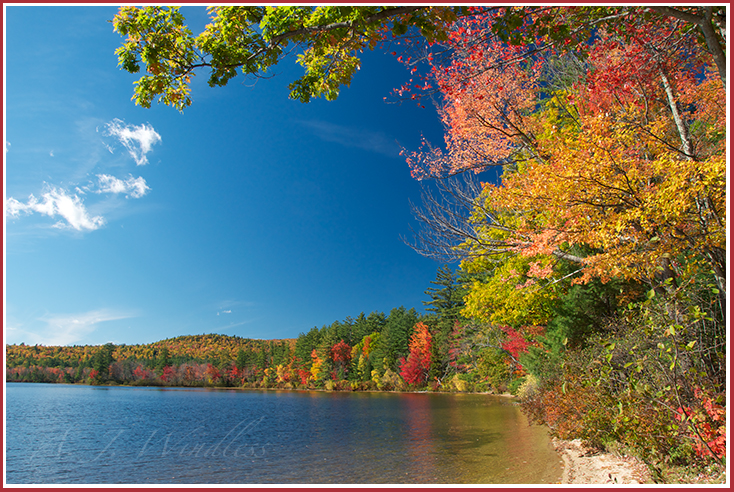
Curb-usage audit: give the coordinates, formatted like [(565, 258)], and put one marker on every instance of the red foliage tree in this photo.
[(515, 344), (415, 369), (233, 375), (304, 375), (341, 354), (169, 373), (212, 374), (141, 372)]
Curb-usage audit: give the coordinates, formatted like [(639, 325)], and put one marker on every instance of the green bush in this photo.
[(494, 370), (515, 385)]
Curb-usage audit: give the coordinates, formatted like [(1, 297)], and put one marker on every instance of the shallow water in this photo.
[(71, 434)]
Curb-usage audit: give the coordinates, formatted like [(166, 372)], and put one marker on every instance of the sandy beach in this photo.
[(584, 466)]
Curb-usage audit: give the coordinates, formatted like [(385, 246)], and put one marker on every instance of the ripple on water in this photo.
[(72, 434)]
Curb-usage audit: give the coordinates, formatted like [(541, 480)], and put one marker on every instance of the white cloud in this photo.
[(134, 187), (64, 329), (347, 136), (56, 202), (138, 140), (70, 207)]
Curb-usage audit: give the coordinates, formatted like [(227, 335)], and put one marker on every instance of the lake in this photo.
[(72, 434)]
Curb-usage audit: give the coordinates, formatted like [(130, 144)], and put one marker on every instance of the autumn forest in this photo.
[(591, 276)]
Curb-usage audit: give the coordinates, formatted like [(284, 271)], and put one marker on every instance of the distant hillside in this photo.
[(202, 347), (189, 347)]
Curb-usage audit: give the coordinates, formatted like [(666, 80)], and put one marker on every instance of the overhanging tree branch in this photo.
[(379, 16), (705, 23)]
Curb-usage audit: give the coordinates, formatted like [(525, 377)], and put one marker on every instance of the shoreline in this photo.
[(586, 466), (269, 388)]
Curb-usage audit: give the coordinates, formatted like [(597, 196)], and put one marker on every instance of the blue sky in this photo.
[(249, 214)]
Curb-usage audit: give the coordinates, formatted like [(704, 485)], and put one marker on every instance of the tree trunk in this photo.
[(705, 23), (685, 137)]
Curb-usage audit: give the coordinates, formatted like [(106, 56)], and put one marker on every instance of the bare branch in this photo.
[(455, 225)]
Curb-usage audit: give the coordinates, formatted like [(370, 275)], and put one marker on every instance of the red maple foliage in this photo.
[(515, 343), (341, 352), (708, 427), (414, 370), (168, 374)]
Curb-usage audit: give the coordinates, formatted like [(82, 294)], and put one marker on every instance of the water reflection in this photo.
[(421, 450), (76, 434)]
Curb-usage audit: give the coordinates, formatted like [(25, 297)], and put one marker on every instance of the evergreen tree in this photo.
[(447, 301), (242, 359), (163, 360), (364, 325), (262, 357), (102, 361), (305, 344), (396, 335)]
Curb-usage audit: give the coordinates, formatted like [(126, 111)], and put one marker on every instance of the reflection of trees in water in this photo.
[(489, 440), (252, 437), (420, 439)]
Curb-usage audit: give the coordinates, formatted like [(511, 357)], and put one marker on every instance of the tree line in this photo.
[(375, 351)]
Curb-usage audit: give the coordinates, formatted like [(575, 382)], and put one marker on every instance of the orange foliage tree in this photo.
[(415, 369), (621, 170)]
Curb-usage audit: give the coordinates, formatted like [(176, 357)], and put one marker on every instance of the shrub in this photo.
[(528, 387), (515, 385), (390, 381), (459, 384)]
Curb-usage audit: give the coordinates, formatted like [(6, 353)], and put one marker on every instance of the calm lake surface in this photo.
[(69, 434)]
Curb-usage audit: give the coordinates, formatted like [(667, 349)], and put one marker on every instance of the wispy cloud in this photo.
[(134, 187), (137, 139), (57, 201), (53, 202), (359, 138), (222, 329), (70, 207), (64, 329)]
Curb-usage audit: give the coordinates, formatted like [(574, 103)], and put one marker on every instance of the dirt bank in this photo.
[(584, 466)]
